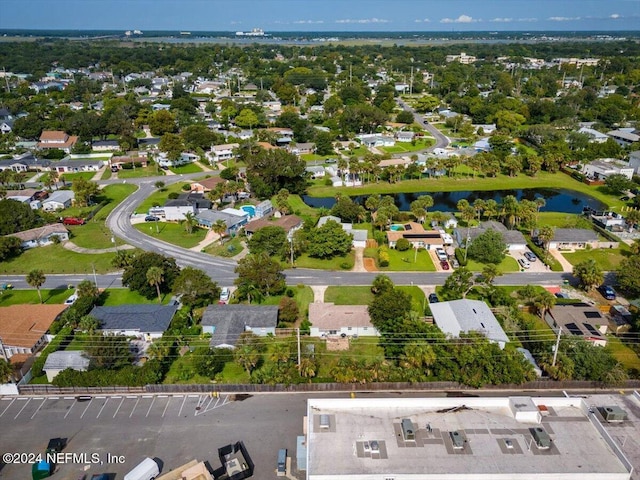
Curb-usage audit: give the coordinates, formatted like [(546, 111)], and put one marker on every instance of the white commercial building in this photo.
[(521, 438)]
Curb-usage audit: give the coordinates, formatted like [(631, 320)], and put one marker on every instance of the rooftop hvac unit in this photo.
[(457, 439), (613, 414), (407, 429), (541, 437)]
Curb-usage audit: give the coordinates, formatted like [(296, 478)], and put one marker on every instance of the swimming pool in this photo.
[(250, 209), (396, 227)]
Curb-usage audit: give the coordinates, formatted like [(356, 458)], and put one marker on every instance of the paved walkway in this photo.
[(566, 266), (98, 175), (318, 293), (209, 238), (35, 178), (95, 251), (358, 266)]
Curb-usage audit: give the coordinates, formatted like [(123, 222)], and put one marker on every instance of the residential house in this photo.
[(133, 159), (316, 171), (289, 223), (605, 167), (220, 153), (594, 135), (233, 221), (197, 199), (23, 328), (461, 58), (621, 319), (57, 139), (27, 195), (303, 148), (41, 236), (61, 360), (206, 185), (328, 320), (611, 221), (416, 235), (634, 161), (68, 165), (177, 209), (6, 121), (359, 236), (145, 322), (579, 320), (58, 200), (226, 323), (105, 146), (466, 316), (405, 137), (485, 128), (624, 137), (573, 239), (264, 209), (395, 162), (24, 163), (513, 238), (374, 141)]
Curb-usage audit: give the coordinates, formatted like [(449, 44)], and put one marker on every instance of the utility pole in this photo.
[(555, 349), (298, 335), (3, 353), (95, 277), (411, 82)]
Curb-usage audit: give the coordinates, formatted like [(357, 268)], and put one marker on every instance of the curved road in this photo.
[(442, 140)]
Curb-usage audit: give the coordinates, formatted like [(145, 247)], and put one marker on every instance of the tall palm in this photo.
[(545, 234), (36, 279), (489, 273), (189, 222), (544, 302), (219, 227), (155, 277)]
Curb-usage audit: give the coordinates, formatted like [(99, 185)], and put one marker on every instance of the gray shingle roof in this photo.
[(230, 321), (62, 359), (574, 235), (145, 318)]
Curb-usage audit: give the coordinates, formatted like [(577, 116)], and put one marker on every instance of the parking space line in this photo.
[(54, 398), (87, 408), (166, 406), (69, 411), (183, 400), (104, 405), (25, 406), (152, 400), (11, 403), (118, 409), (69, 398), (34, 413), (134, 407)]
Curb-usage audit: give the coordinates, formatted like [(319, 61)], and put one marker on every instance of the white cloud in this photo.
[(531, 19), (309, 22), (424, 20), (563, 19), (460, 19), (615, 16), (362, 20), (501, 20)]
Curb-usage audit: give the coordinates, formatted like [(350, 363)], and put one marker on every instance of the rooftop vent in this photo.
[(407, 429), (324, 421), (541, 437), (613, 414), (457, 439)]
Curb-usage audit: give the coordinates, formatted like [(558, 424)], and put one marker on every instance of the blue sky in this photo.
[(322, 15)]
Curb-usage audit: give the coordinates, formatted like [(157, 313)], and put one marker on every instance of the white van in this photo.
[(145, 470)]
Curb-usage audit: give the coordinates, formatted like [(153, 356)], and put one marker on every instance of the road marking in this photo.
[(12, 400), (25, 406), (153, 400), (69, 411), (117, 409), (194, 396), (87, 408), (163, 396), (183, 400), (34, 413), (166, 406), (134, 407), (69, 398), (117, 396), (54, 398), (101, 397), (147, 396), (103, 405)]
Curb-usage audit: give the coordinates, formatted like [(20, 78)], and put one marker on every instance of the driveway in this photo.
[(566, 266)]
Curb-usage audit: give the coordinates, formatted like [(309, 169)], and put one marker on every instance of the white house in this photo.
[(624, 137), (634, 161), (220, 153), (373, 140), (405, 137), (175, 210), (41, 236), (58, 200), (604, 167), (359, 236), (594, 135), (58, 361), (328, 319)]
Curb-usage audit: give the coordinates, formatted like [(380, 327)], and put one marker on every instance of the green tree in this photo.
[(35, 279), (155, 277), (84, 191), (246, 118), (88, 323), (489, 273), (172, 145), (543, 302), (16, 216), (161, 122), (628, 275), (420, 206), (108, 351), (347, 210), (10, 247), (249, 350), (6, 372), (269, 171), (135, 274), (271, 240), (381, 284), (388, 306), (195, 287), (260, 272), (208, 362), (86, 288), (458, 284), (404, 117), (545, 235), (189, 222), (488, 247), (219, 228), (588, 273), (288, 310), (618, 183), (329, 240)]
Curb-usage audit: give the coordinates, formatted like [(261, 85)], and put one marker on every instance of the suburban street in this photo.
[(441, 140)]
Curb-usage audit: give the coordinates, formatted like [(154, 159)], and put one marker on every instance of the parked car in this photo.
[(151, 218), (524, 263), (454, 262), (530, 256), (100, 476), (72, 221), (225, 294), (444, 264), (433, 298), (441, 254), (331, 160), (607, 292), (71, 300)]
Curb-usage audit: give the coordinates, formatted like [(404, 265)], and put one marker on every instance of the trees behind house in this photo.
[(269, 171), (259, 275), (195, 287), (271, 240), (135, 274), (487, 248)]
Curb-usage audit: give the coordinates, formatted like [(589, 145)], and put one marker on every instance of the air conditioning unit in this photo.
[(613, 414), (457, 439), (408, 431)]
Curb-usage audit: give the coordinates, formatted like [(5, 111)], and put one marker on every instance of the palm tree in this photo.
[(155, 277), (544, 302), (545, 234), (219, 227), (489, 273), (189, 222), (36, 279)]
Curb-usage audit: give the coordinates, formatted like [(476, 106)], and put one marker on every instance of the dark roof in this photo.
[(197, 199), (574, 235), (230, 321), (145, 318)]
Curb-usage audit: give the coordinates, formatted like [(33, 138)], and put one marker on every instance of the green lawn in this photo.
[(225, 250), (159, 197), (359, 151), (123, 296), (19, 297), (70, 177), (607, 258), (150, 171), (509, 264), (563, 220), (366, 348), (188, 168), (409, 261), (56, 259), (300, 208), (348, 295), (417, 297), (622, 353), (303, 296), (407, 147), (311, 157), (336, 263), (106, 174), (173, 233)]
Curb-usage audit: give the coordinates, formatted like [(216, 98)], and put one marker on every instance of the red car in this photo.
[(444, 264), (72, 221)]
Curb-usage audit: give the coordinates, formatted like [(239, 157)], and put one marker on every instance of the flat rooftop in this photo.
[(341, 433)]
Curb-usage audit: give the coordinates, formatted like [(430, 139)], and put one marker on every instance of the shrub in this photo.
[(403, 245), (380, 237), (173, 195), (290, 293), (345, 266), (383, 257), (186, 187), (461, 257)]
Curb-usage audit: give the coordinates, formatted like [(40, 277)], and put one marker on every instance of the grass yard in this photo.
[(359, 151), (607, 258), (418, 297), (70, 177), (365, 348), (348, 295), (563, 220), (509, 264), (193, 167), (409, 261), (408, 147), (123, 296), (623, 354), (303, 296), (313, 157), (173, 233), (228, 249), (141, 172), (159, 197), (106, 174), (300, 208), (335, 263), (56, 259), (20, 297)]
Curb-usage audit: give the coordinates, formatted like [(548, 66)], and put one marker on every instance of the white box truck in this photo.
[(145, 470)]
